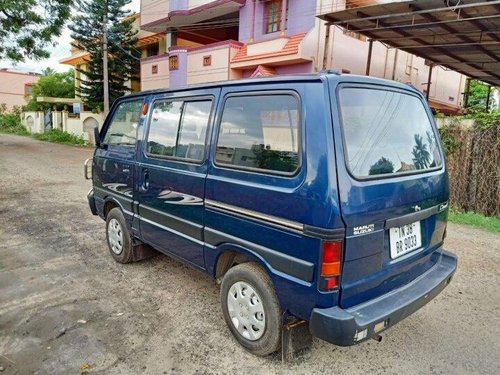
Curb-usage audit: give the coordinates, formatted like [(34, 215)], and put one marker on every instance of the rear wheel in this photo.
[(118, 237), (251, 309)]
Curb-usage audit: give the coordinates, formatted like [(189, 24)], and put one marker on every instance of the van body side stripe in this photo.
[(164, 220), (277, 221), (171, 230)]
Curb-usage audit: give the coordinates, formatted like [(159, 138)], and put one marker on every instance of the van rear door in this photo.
[(393, 188)]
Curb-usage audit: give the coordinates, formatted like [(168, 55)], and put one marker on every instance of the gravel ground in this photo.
[(67, 307)]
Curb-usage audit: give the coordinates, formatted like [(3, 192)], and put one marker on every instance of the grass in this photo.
[(491, 224), (59, 136), (10, 123)]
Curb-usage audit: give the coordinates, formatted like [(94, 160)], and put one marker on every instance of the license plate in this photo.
[(405, 239)]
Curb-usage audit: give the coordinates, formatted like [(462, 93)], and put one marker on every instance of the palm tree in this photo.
[(421, 157), (430, 138)]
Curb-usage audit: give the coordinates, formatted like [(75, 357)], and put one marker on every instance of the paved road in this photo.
[(64, 303)]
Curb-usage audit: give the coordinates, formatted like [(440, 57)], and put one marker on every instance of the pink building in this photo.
[(15, 87), (217, 40)]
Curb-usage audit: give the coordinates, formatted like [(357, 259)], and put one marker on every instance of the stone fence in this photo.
[(82, 126)]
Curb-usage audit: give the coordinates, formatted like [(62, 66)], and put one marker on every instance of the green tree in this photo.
[(382, 166), (123, 57), (421, 156), (478, 94), (52, 84), (28, 26)]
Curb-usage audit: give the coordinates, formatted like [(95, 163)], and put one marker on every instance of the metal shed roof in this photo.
[(462, 35)]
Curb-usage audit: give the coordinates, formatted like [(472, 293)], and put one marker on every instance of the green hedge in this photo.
[(58, 136), (11, 123)]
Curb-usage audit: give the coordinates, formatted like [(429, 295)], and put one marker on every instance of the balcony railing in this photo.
[(156, 15), (182, 66)]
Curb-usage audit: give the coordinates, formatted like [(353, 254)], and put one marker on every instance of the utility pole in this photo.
[(105, 62)]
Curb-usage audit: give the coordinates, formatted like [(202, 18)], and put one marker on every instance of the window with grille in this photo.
[(273, 16), (153, 50), (173, 62)]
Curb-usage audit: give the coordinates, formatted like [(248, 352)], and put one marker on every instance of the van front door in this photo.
[(172, 172), (114, 159)]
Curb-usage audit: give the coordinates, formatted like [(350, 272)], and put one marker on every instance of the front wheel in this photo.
[(251, 309), (118, 237)]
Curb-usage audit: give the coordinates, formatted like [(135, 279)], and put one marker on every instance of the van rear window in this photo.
[(386, 132)]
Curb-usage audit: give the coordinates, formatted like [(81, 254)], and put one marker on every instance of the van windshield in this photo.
[(386, 132)]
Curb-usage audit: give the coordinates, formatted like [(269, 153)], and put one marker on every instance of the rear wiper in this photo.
[(121, 135)]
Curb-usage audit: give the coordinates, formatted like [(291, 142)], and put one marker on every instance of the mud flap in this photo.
[(295, 338), (142, 251)]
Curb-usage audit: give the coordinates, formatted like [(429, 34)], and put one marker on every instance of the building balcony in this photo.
[(158, 16), (183, 65), (282, 51)]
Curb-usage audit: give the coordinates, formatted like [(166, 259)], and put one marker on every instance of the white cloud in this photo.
[(58, 51)]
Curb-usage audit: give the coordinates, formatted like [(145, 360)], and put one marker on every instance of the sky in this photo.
[(60, 50)]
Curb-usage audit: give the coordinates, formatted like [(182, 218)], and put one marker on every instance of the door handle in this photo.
[(145, 180)]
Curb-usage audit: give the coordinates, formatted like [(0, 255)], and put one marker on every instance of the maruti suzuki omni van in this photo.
[(322, 197)]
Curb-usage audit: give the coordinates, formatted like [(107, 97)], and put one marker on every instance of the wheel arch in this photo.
[(228, 255), (110, 203)]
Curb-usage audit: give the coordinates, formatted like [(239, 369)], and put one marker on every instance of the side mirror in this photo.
[(97, 137)]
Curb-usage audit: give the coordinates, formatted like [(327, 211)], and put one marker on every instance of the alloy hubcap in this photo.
[(246, 311), (115, 236)]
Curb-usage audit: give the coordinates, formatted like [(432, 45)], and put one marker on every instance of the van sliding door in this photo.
[(172, 171)]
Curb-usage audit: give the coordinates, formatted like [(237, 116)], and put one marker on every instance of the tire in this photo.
[(118, 237), (251, 309)]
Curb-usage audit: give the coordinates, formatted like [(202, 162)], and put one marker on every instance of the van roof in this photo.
[(321, 76)]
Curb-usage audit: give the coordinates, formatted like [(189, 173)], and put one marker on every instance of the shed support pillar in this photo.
[(488, 99), (369, 58), (429, 77)]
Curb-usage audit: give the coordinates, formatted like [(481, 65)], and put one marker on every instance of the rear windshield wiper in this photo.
[(121, 135)]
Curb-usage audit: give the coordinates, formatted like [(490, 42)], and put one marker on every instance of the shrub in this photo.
[(59, 136), (11, 123), (485, 120)]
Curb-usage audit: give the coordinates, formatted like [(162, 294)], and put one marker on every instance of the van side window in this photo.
[(122, 129), (260, 132), (178, 129)]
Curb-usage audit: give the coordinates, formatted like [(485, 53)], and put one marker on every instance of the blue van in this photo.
[(321, 197)]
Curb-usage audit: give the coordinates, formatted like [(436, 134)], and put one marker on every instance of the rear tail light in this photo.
[(331, 265)]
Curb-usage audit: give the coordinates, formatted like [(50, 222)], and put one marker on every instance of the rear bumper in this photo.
[(358, 323), (91, 199)]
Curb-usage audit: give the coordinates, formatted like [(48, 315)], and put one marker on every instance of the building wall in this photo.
[(218, 70), (152, 10), (151, 80), (301, 18), (195, 3), (349, 54), (12, 87)]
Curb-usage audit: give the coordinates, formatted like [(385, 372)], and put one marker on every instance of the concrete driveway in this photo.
[(67, 307)]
